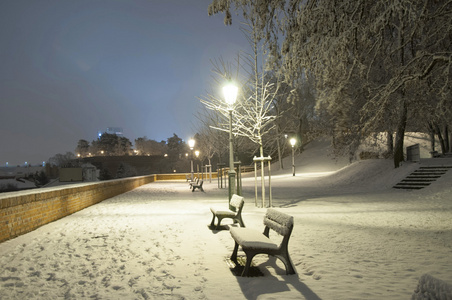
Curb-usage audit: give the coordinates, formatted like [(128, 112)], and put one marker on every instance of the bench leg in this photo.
[(213, 220), (287, 262), (219, 221), (234, 253), (249, 258)]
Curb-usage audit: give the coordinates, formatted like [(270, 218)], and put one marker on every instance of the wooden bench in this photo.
[(237, 202), (254, 242), (195, 186)]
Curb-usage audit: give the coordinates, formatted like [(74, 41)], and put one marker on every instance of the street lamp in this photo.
[(191, 144), (230, 95), (293, 141)]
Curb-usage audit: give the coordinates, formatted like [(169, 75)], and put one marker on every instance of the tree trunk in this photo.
[(432, 136), (450, 139), (441, 139), (278, 143), (389, 142), (300, 131), (446, 139), (400, 135)]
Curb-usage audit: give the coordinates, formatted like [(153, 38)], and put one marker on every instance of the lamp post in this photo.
[(293, 141), (197, 163), (191, 144), (230, 95)]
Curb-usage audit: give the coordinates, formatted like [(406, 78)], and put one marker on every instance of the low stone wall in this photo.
[(22, 212)]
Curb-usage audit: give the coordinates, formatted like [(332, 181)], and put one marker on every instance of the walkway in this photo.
[(153, 243)]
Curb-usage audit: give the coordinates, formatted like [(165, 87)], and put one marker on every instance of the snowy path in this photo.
[(153, 243), (131, 246)]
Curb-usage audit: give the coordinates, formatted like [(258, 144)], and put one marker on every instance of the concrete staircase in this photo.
[(422, 177)]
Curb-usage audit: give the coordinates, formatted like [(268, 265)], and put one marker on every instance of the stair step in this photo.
[(430, 171), (413, 183), (418, 180), (408, 187), (422, 177), (436, 167)]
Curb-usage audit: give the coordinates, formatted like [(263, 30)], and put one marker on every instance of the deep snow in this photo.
[(354, 238)]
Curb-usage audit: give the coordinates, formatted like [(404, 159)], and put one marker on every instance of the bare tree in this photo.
[(209, 140), (368, 59), (253, 114)]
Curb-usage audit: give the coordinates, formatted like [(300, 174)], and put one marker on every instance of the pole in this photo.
[(270, 185), (231, 172), (191, 164), (255, 182), (293, 162)]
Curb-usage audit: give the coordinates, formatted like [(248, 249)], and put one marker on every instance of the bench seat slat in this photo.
[(252, 239), (223, 213)]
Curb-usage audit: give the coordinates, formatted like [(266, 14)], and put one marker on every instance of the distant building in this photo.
[(111, 130), (87, 172), (90, 172)]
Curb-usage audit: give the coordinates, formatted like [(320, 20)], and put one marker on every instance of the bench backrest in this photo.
[(278, 221), (237, 202)]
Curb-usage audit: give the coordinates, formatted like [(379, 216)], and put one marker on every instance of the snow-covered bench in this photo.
[(254, 242), (194, 181), (237, 202), (198, 185)]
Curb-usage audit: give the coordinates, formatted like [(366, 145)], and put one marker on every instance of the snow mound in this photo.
[(375, 174), (432, 288)]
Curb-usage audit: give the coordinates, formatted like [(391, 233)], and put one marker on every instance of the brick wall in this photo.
[(22, 212)]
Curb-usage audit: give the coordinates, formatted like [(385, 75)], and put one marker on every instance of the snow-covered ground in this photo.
[(354, 238)]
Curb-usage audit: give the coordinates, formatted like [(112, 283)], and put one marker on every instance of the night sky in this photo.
[(69, 68)]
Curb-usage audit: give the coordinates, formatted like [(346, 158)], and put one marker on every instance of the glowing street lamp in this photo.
[(293, 141), (230, 95), (191, 144)]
